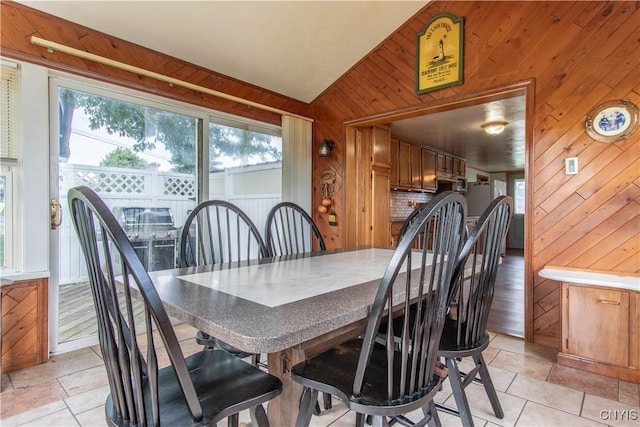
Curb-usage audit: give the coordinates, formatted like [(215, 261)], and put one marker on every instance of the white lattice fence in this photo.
[(151, 188)]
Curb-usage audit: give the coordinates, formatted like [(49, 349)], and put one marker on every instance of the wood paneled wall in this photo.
[(19, 23), (579, 54)]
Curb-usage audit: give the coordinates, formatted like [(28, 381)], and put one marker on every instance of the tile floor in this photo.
[(70, 389)]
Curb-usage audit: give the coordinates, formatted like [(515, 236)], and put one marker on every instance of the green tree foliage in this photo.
[(149, 126), (240, 144), (123, 158)]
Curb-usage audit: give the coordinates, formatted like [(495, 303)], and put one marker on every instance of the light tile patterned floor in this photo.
[(70, 390)]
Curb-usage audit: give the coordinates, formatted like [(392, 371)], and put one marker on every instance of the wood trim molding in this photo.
[(525, 87)]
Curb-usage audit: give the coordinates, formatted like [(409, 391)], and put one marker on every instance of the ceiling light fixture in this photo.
[(494, 128)]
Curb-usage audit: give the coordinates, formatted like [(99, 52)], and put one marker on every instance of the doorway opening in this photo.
[(451, 126)]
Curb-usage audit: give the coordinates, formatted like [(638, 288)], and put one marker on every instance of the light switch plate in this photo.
[(571, 166)]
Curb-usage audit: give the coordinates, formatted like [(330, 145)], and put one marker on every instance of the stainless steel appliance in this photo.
[(152, 234), (480, 194)]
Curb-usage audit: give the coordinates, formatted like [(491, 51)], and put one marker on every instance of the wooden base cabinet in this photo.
[(600, 330), (24, 324)]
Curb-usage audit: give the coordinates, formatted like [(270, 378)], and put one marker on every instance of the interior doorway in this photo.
[(446, 137)]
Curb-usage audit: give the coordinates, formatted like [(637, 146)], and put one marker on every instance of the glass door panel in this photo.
[(140, 158)]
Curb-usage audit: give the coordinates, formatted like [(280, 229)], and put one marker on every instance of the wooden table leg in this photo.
[(283, 410)]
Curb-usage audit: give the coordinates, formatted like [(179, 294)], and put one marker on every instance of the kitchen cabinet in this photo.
[(394, 179), (599, 327), (381, 147), (416, 167), (404, 164), (596, 323), (459, 167), (25, 340), (445, 163), (370, 192), (380, 195), (429, 181), (395, 231), (450, 166)]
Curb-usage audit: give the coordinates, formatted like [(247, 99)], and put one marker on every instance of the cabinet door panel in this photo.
[(404, 164), (444, 163), (379, 202), (24, 324), (394, 179), (429, 181), (416, 167), (598, 324), (381, 147)]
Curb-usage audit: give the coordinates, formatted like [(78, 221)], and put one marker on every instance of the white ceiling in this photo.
[(297, 49), (458, 131)]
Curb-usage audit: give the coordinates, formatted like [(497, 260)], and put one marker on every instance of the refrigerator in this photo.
[(480, 194)]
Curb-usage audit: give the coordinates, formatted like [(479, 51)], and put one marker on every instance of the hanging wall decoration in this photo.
[(439, 54), (612, 121), (327, 181)]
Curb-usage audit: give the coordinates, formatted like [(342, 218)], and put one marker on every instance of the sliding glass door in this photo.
[(139, 156)]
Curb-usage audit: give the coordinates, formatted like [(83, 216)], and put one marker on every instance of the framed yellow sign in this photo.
[(439, 54)]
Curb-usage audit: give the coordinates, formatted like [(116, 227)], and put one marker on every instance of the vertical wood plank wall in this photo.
[(579, 54)]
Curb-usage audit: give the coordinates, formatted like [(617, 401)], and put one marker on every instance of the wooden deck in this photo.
[(77, 315)]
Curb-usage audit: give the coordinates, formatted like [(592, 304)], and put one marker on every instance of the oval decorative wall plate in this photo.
[(613, 121)]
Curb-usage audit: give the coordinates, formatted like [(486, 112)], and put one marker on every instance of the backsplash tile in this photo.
[(399, 202)]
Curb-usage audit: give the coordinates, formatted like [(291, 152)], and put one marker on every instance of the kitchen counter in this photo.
[(595, 278), (12, 277), (600, 321)]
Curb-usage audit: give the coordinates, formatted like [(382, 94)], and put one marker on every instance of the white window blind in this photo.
[(9, 112)]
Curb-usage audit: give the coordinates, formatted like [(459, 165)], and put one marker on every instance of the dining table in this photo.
[(290, 308)]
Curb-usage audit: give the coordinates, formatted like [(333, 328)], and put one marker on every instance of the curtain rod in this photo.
[(53, 46)]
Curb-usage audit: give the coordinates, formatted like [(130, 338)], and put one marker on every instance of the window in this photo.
[(518, 196), (9, 141), (245, 166)]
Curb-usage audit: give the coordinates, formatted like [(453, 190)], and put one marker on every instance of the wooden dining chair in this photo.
[(465, 330), (200, 389), (382, 380), (290, 230), (218, 232)]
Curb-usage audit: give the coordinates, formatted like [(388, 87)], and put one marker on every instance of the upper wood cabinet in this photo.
[(459, 167), (404, 164), (445, 163), (450, 166), (394, 179), (429, 181), (381, 147), (416, 167)]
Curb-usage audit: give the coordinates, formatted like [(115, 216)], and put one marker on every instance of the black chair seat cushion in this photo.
[(334, 371), (219, 376), (449, 345)]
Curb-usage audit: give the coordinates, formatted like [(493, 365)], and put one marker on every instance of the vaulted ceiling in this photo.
[(297, 49)]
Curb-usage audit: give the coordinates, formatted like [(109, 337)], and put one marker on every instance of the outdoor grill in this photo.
[(152, 234)]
